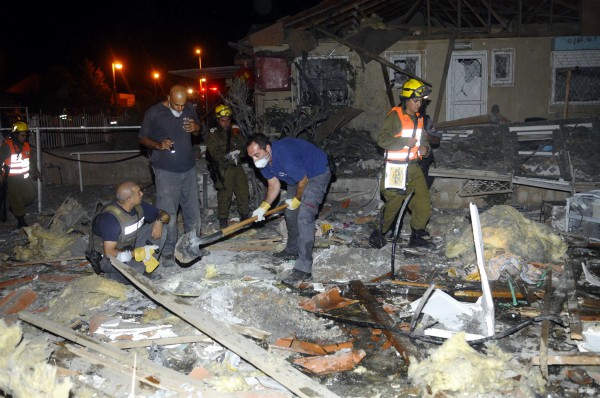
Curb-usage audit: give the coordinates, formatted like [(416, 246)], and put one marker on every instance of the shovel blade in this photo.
[(187, 248)]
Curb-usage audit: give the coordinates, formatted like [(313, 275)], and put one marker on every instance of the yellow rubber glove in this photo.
[(259, 213), (293, 203), (144, 253), (151, 264)]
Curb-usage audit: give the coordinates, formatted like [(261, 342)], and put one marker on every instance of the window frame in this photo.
[(509, 80)]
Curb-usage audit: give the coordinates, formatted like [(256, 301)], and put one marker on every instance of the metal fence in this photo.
[(71, 130)]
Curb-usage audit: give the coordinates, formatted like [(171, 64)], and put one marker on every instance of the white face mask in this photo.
[(175, 113), (262, 163)]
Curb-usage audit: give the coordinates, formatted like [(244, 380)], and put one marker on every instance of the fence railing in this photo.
[(60, 131)]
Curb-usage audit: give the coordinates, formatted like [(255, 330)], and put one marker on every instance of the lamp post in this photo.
[(115, 65), (155, 75), (199, 53)]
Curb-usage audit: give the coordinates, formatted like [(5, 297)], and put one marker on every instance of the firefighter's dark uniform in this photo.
[(229, 177)]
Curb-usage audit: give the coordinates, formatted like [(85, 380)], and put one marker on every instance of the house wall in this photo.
[(529, 96)]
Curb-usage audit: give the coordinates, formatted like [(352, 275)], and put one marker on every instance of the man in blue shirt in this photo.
[(167, 129), (305, 170)]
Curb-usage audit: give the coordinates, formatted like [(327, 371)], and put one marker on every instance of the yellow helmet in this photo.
[(223, 111), (20, 126), (413, 88)]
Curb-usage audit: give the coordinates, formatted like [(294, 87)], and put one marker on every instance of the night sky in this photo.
[(142, 35)]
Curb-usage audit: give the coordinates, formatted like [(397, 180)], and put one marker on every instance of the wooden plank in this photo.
[(440, 94), (581, 359), (281, 371), (572, 303), (164, 375), (42, 261), (469, 174), (546, 327), (126, 344), (125, 369), (401, 343), (236, 247)]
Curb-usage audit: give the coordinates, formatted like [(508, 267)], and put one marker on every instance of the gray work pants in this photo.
[(301, 222), (174, 190)]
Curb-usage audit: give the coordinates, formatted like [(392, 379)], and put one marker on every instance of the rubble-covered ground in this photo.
[(238, 284)]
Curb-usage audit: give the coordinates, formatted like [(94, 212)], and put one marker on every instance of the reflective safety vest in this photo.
[(130, 224), (408, 128), (19, 160)]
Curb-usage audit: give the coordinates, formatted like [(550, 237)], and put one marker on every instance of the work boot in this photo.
[(296, 277), (419, 238), (286, 256), (377, 240), (223, 223), (21, 222)]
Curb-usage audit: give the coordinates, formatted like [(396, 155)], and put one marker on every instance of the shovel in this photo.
[(187, 249)]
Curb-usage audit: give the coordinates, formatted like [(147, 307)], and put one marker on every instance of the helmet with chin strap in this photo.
[(19, 127), (413, 88), (223, 110)]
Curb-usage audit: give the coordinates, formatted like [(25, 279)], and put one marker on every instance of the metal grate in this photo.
[(484, 187)]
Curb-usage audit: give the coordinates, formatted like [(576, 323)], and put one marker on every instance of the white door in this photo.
[(466, 86)]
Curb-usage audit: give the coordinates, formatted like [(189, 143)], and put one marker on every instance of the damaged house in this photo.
[(337, 68), (505, 303)]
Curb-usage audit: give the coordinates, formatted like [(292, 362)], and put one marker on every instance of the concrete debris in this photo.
[(237, 286)]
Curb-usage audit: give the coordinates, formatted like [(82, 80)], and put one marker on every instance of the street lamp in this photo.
[(155, 75), (199, 53), (115, 65)]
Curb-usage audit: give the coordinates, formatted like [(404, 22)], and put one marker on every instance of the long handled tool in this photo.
[(188, 247), (397, 232)]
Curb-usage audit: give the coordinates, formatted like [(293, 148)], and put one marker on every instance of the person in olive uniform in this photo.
[(18, 167), (226, 147), (404, 140)]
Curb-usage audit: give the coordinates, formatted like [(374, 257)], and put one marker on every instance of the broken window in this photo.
[(502, 67), (581, 69), (327, 80), (411, 63)]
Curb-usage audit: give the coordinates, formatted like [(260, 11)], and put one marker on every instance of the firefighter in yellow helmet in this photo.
[(225, 150), (18, 166), (403, 139)]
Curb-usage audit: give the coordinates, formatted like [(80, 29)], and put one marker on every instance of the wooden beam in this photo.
[(411, 11), (470, 7), (402, 343), (126, 344), (388, 86), (165, 375), (282, 372), (546, 327), (572, 302), (581, 359), (442, 88)]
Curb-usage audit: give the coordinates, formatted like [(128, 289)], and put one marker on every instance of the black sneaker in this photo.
[(294, 278), (377, 240), (283, 255)]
